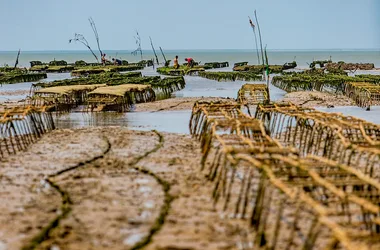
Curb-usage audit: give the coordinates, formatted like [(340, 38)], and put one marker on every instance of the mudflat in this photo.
[(112, 188)]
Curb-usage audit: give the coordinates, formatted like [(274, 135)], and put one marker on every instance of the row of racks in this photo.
[(265, 171), (22, 126)]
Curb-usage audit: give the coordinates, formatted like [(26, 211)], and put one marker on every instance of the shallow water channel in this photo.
[(166, 121), (372, 116)]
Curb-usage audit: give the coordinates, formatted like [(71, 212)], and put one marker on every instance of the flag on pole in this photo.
[(251, 23)]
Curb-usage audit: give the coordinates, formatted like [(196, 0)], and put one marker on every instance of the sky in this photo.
[(195, 24)]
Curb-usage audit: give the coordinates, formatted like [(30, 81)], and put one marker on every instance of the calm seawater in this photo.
[(275, 57)]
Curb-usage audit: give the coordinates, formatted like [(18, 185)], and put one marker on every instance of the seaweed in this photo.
[(240, 64), (349, 66), (163, 88), (17, 76), (320, 81), (258, 69), (216, 65), (230, 76), (98, 70), (181, 71)]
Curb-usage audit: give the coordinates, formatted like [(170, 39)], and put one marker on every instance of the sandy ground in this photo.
[(317, 99), (181, 103), (111, 188)]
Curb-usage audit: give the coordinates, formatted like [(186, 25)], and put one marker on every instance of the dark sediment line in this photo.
[(165, 187), (66, 201)]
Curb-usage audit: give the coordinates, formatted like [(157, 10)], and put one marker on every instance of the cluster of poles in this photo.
[(264, 57)]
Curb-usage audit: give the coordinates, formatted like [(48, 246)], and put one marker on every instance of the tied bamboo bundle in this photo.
[(365, 93), (119, 98), (163, 88), (62, 98), (20, 127), (252, 94), (108, 78), (345, 139), (267, 184)]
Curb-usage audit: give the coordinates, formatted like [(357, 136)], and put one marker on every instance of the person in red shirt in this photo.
[(190, 62)]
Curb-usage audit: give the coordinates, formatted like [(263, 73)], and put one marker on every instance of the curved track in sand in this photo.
[(111, 188)]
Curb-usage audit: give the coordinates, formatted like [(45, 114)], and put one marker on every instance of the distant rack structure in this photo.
[(64, 95), (253, 94), (119, 98)]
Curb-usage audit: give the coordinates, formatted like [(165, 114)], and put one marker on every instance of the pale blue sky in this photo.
[(194, 24)]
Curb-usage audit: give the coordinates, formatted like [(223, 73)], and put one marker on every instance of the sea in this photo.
[(302, 57), (177, 121)]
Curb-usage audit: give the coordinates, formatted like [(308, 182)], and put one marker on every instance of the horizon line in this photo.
[(236, 49)]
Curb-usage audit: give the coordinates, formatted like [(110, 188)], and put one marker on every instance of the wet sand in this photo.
[(180, 103), (111, 188), (312, 99), (114, 188)]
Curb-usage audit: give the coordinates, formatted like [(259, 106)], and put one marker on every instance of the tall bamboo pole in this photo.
[(267, 71), (154, 51), (18, 56), (261, 42), (93, 26), (257, 48), (162, 52)]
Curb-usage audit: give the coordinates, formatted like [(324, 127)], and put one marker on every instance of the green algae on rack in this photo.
[(363, 89), (163, 88), (98, 70), (181, 71), (216, 65), (62, 66), (18, 76), (119, 98), (319, 81), (230, 76), (258, 69)]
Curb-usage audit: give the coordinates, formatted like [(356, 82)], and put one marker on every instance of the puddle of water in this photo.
[(25, 86), (149, 71), (165, 121), (133, 239), (198, 87), (11, 97), (3, 246), (366, 72), (372, 116), (56, 76), (16, 86)]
